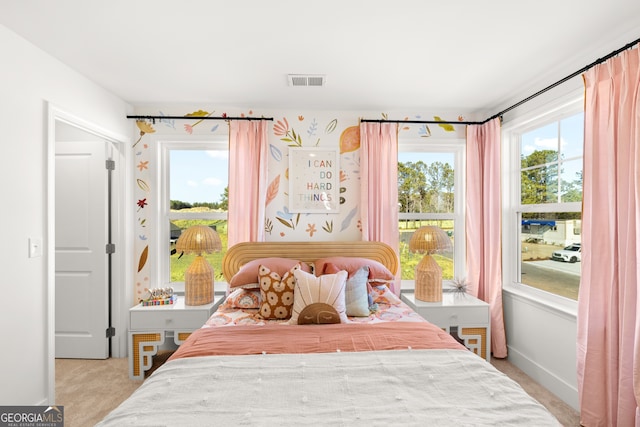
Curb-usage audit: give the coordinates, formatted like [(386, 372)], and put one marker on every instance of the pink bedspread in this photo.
[(280, 338)]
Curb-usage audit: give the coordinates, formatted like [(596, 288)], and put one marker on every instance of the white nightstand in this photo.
[(148, 327), (461, 315)]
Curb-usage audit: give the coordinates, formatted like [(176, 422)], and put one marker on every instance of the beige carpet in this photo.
[(90, 389)]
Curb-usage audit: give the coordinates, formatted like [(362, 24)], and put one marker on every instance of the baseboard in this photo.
[(545, 378)]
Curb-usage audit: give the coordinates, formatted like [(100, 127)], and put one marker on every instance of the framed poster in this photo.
[(314, 180)]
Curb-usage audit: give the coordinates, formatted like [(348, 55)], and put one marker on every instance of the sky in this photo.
[(571, 143), (198, 176), (201, 176)]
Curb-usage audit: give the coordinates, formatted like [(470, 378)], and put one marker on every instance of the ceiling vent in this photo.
[(312, 80)]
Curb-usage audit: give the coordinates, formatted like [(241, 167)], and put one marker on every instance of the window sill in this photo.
[(545, 300)]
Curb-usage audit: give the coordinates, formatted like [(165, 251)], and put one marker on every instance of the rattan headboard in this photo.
[(241, 253)]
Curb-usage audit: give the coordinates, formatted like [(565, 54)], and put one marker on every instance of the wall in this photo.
[(29, 79), (337, 130)]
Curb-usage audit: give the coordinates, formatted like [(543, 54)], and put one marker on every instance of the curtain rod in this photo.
[(154, 118), (429, 122), (517, 104)]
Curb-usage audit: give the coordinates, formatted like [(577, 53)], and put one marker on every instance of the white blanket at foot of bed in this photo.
[(408, 387)]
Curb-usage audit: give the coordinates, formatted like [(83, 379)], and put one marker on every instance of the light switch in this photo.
[(35, 247)]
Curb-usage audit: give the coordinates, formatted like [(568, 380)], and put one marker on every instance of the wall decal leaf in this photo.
[(275, 152), (331, 126), (347, 220), (313, 127), (424, 131), (272, 190), (143, 185), (199, 113), (284, 222), (446, 126), (350, 139), (143, 258)]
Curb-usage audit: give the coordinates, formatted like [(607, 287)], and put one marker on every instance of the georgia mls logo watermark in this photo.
[(31, 416)]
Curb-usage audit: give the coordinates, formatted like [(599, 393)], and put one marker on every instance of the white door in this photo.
[(81, 278)]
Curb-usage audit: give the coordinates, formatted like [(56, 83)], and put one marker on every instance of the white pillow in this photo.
[(319, 299)]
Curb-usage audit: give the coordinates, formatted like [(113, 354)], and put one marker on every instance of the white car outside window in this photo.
[(571, 253)]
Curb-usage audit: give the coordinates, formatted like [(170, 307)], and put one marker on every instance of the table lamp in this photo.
[(198, 278), (428, 278)]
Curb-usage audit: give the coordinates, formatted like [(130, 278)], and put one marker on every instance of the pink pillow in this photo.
[(248, 273), (377, 271), (331, 268)]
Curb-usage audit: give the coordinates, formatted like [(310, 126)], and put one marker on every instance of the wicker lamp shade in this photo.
[(429, 239), (198, 278), (198, 239), (428, 275)]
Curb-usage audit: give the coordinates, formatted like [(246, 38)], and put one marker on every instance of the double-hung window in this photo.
[(194, 191), (545, 201), (431, 192)]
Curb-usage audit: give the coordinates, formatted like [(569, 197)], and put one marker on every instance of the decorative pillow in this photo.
[(383, 295), (248, 273), (377, 271), (276, 293), (356, 294), (244, 298), (319, 299)]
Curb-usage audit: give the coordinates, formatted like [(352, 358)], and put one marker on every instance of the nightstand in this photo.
[(149, 326), (462, 315)]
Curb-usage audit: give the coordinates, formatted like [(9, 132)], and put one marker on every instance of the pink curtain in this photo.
[(247, 180), (483, 224), (608, 344), (379, 185)]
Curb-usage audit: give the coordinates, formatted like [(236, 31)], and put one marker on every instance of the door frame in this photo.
[(121, 226)]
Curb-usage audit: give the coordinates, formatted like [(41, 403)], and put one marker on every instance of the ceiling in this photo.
[(465, 56)]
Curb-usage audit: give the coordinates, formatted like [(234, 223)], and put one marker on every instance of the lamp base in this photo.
[(428, 280), (198, 282)]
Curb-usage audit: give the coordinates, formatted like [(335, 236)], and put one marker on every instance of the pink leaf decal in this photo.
[(272, 190)]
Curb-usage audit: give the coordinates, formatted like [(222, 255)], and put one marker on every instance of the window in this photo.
[(431, 192), (546, 201), (194, 192)]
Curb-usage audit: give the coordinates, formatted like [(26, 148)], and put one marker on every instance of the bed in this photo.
[(326, 357)]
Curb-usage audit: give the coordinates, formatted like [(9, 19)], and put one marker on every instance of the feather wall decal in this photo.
[(143, 185), (143, 258), (275, 152), (347, 220), (331, 126), (272, 190)]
